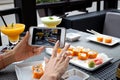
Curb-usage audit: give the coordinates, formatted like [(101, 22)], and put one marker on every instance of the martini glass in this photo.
[(51, 21), (13, 32)]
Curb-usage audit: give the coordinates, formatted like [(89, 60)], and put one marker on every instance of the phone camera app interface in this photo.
[(47, 37)]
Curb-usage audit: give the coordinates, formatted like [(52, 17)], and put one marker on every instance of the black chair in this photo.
[(93, 20), (112, 24)]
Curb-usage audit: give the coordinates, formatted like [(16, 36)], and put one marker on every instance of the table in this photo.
[(105, 72)]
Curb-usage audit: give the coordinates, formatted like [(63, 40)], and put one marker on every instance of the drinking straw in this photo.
[(4, 21)]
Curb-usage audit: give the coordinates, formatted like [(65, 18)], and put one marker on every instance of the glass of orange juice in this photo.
[(51, 21), (13, 32)]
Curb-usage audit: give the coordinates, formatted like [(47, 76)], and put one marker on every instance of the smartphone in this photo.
[(43, 36)]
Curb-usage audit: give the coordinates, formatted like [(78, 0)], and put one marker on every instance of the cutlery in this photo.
[(93, 32)]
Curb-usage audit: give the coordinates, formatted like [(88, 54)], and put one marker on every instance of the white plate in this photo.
[(114, 40), (75, 74), (83, 63), (24, 70)]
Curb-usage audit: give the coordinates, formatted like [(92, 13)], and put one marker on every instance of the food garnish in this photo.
[(91, 64), (50, 18), (98, 61), (12, 25)]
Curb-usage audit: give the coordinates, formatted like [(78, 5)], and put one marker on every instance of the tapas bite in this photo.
[(81, 53), (85, 57), (24, 71), (37, 71), (104, 39)]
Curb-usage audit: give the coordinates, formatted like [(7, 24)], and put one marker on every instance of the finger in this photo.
[(41, 49), (46, 60), (63, 58), (67, 60), (26, 37), (54, 53), (64, 50)]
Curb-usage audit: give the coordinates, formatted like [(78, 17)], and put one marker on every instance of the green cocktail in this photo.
[(51, 21)]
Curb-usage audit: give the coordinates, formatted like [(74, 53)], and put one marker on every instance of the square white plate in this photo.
[(83, 63), (72, 36), (24, 70), (114, 40)]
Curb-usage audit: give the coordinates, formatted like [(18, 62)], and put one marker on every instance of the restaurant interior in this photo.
[(92, 27)]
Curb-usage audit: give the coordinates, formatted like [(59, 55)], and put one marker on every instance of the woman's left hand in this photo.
[(23, 50)]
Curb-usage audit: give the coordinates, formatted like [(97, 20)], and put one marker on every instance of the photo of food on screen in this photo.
[(46, 37)]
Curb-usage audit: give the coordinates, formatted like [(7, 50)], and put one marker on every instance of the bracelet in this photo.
[(1, 59)]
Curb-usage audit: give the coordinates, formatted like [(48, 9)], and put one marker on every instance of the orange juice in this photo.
[(13, 32), (51, 21)]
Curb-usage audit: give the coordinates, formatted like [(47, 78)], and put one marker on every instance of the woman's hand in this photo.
[(23, 50), (57, 64)]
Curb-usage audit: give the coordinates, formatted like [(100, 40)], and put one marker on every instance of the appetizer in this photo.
[(104, 39), (100, 38), (58, 50), (90, 57), (98, 61), (108, 40), (37, 71), (94, 62), (92, 54), (83, 56), (75, 51)]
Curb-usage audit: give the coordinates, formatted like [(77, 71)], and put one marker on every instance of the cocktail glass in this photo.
[(13, 32), (51, 21)]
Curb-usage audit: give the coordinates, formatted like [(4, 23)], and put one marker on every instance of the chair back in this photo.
[(112, 24)]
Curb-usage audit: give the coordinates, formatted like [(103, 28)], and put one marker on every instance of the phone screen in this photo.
[(46, 37)]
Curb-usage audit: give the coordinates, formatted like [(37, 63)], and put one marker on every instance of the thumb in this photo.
[(25, 38)]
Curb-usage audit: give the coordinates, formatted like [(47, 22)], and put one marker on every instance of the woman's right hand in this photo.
[(57, 64)]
